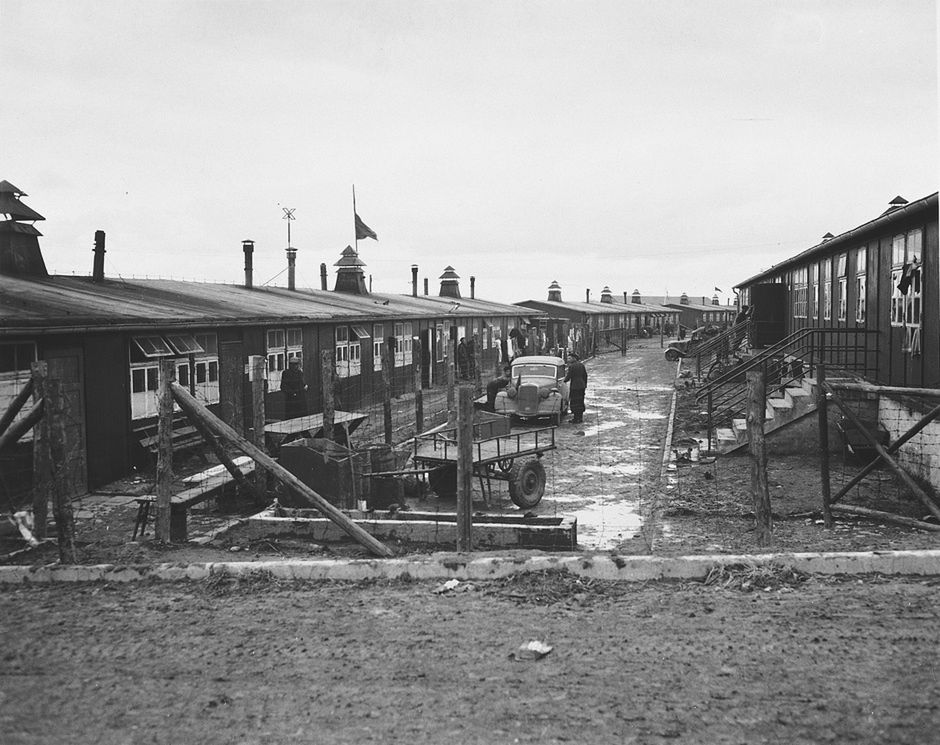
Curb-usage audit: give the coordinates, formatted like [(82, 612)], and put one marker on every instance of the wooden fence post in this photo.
[(822, 406), (256, 375), (465, 469), (419, 392), (54, 414), (760, 490), (388, 361), (42, 459), (451, 359), (231, 375), (161, 528)]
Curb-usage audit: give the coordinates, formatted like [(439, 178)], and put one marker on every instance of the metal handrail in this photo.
[(783, 363)]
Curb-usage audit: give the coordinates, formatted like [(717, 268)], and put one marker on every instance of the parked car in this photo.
[(684, 347), (537, 389)]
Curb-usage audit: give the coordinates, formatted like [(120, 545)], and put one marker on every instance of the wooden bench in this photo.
[(207, 485)]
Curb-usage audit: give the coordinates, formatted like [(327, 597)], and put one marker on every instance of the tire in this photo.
[(672, 355), (527, 483)]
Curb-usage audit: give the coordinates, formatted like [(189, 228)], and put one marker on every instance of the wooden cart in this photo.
[(514, 458)]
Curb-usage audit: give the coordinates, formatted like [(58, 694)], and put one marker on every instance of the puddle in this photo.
[(637, 414), (605, 525), (619, 469)]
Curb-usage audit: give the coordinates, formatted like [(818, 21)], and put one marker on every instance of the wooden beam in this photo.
[(164, 485), (22, 426), (760, 490), (870, 388), (896, 445), (902, 474), (195, 410), (465, 468), (888, 517), (15, 405)]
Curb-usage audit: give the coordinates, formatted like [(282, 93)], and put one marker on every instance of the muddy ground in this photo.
[(748, 656)]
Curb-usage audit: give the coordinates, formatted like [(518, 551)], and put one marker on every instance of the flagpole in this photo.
[(355, 232)]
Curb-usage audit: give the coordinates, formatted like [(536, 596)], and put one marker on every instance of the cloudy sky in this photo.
[(675, 145)]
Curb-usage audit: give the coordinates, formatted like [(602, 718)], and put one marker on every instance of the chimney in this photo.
[(248, 246), (683, 299), (97, 272), (607, 296), (587, 296), (414, 280), (350, 277), (636, 297), (473, 285), (323, 276), (425, 285), (554, 292), (450, 283), (291, 268)]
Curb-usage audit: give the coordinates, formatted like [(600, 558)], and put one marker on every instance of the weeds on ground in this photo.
[(755, 577)]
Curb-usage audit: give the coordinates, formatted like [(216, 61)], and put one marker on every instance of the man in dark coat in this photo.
[(495, 386), (294, 388), (463, 360), (576, 378)]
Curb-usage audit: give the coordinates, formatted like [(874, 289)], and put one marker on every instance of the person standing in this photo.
[(576, 377), (463, 360), (495, 386), (295, 390)]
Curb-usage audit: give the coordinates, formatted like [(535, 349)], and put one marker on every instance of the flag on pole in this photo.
[(363, 230), (718, 289)]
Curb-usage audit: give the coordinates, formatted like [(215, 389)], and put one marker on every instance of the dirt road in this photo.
[(802, 661)]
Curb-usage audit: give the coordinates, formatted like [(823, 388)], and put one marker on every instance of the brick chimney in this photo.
[(473, 287), (450, 283), (248, 246), (323, 279), (291, 268), (350, 277), (554, 292), (607, 296), (414, 280), (97, 272), (587, 296), (425, 286)]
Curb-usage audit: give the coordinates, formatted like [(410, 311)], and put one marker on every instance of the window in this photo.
[(16, 359), (842, 286), (197, 368), (826, 298), (341, 336), (814, 289), (403, 332), (283, 345), (378, 344), (906, 285), (799, 292), (861, 284)]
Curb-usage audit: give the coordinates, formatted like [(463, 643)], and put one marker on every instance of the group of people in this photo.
[(575, 376)]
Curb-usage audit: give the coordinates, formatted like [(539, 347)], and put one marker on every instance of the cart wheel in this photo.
[(505, 465), (527, 483), (672, 355)]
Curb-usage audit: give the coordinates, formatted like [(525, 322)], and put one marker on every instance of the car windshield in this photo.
[(534, 371)]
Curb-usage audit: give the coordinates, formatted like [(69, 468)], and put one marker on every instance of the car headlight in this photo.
[(543, 393)]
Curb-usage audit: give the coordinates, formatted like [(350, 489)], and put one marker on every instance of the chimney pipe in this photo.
[(473, 284), (248, 246), (425, 285), (97, 272), (624, 297), (291, 268), (323, 276), (414, 280), (587, 296)]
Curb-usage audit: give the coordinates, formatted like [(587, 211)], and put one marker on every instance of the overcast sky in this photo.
[(666, 146)]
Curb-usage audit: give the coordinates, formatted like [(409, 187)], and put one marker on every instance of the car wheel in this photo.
[(672, 355), (527, 483)]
